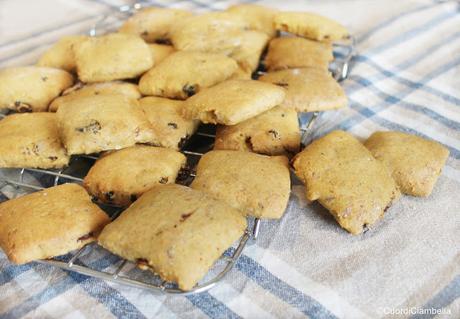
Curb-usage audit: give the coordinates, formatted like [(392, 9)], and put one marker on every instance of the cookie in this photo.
[(114, 56), (175, 231), (260, 18), (184, 73), (308, 89), (153, 24), (49, 223), (241, 74), (60, 55), (414, 162), (31, 140), (346, 179), (170, 129), (294, 52), (310, 25), (115, 87), (31, 88), (103, 122), (160, 51), (257, 185), (233, 101), (213, 32), (122, 176), (274, 132), (248, 52)]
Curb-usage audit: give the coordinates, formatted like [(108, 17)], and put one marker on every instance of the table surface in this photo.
[(405, 77)]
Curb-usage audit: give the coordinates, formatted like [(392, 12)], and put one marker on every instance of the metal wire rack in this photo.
[(121, 271)]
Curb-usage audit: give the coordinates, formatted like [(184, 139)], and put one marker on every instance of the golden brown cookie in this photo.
[(260, 18), (308, 89), (414, 162), (247, 54), (184, 73), (233, 101), (31, 140), (123, 176), (294, 52), (103, 122), (345, 178), (153, 24), (170, 129), (114, 87), (310, 25), (175, 231), (114, 56), (274, 132), (60, 55), (49, 223), (160, 51), (31, 88), (258, 185)]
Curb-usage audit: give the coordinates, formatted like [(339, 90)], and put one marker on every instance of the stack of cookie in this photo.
[(137, 95)]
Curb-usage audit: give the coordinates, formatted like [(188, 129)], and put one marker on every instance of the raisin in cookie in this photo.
[(274, 132), (175, 231), (294, 52), (122, 176), (308, 89), (31, 88), (170, 129), (260, 18), (258, 185), (60, 55), (49, 223), (153, 24), (414, 162), (184, 73), (103, 122), (78, 91), (233, 101), (110, 57), (31, 140), (310, 25), (345, 178)]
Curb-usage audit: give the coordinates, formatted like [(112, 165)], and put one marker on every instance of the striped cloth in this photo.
[(405, 77)]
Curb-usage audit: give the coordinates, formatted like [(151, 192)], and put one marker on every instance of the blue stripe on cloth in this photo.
[(282, 290), (442, 299), (370, 114), (391, 100), (388, 22), (10, 272), (211, 306), (403, 37)]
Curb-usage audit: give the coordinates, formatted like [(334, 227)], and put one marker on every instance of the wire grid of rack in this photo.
[(87, 260)]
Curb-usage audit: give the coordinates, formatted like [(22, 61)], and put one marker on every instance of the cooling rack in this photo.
[(93, 260)]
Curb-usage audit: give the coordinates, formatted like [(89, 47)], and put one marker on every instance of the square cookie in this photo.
[(102, 122), (260, 18), (153, 24), (114, 56), (250, 48), (257, 185), (346, 179), (60, 55), (127, 89), (414, 162), (310, 25), (120, 177), (170, 129), (184, 73), (308, 89), (175, 231), (274, 132), (49, 223), (31, 140), (31, 88), (233, 101), (294, 52)]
